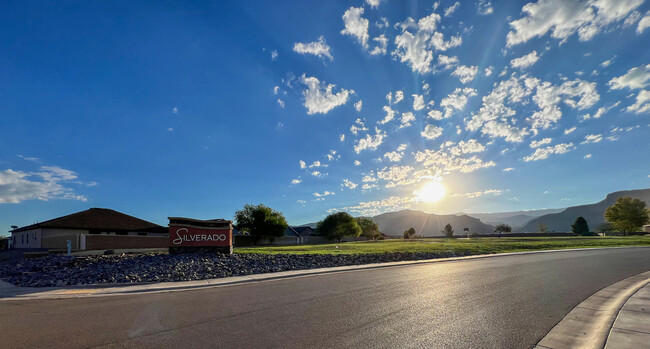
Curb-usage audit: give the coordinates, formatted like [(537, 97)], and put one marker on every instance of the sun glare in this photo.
[(431, 192)]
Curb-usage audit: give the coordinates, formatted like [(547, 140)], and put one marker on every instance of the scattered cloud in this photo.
[(431, 132), (635, 78), (541, 142), (373, 3), (296, 181), (382, 45), (476, 194), (50, 183), (175, 110), (451, 9), (274, 55), (592, 139), (457, 100), (358, 126), (484, 7), (317, 48), (508, 169), (543, 153), (355, 25), (406, 120), (358, 105), (569, 130), (588, 156), (281, 103), (447, 62), (465, 73), (370, 142), (643, 23), (418, 102), (390, 115), (563, 18), (525, 61), (349, 184), (371, 208), (319, 97), (325, 193), (452, 157)]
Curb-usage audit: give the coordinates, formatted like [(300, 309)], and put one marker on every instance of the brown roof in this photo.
[(96, 218)]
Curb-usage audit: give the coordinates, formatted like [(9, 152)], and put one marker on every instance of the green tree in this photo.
[(605, 228), (627, 214), (337, 225), (542, 228), (406, 234), (448, 231), (260, 221), (580, 226), (411, 232), (369, 228), (502, 228)]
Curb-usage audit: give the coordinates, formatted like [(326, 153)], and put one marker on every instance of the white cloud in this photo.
[(588, 156), (281, 103), (541, 142), (564, 17), (371, 208), (175, 110), (394, 156), (276, 89), (600, 112), (632, 18), (592, 139), (406, 120), (296, 181), (414, 45), (373, 3), (452, 157), (607, 63), (435, 114), (355, 25), (457, 100), (303, 165), (495, 117), (449, 10), (382, 45), (170, 129), (349, 184), (643, 23), (399, 96), (319, 97), (396, 175), (508, 169), (642, 103), (484, 7), (447, 62), (569, 130), (316, 173), (342, 137), (358, 126), (543, 153), (274, 55), (476, 194), (357, 162), (325, 193), (317, 48), (358, 105), (431, 132), (301, 202), (465, 73), (317, 164), (524, 61), (488, 71), (370, 142), (418, 102), (390, 114), (637, 77), (48, 184)]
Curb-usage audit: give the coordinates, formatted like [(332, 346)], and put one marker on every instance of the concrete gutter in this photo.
[(632, 326), (10, 292), (588, 324)]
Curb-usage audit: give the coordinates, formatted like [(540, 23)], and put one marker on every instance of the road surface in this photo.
[(501, 302)]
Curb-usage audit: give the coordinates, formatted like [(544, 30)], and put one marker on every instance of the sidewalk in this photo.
[(632, 326)]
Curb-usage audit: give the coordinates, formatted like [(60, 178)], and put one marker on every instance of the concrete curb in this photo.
[(10, 292), (588, 325), (632, 326)]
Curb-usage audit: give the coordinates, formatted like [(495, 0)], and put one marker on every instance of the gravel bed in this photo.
[(160, 267)]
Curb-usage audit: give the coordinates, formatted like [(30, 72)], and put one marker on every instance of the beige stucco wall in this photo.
[(27, 239)]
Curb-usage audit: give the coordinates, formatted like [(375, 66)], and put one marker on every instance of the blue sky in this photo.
[(166, 108)]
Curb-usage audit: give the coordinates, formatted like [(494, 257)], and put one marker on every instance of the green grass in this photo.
[(468, 246)]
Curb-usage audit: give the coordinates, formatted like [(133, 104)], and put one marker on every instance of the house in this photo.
[(92, 229)]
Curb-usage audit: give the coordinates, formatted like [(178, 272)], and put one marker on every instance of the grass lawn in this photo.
[(470, 246)]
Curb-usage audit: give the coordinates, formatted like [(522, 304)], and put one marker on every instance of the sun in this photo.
[(431, 192)]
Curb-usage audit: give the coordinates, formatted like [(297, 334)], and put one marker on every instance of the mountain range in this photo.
[(559, 219)]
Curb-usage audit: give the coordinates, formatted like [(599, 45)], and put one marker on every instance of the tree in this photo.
[(448, 231), (502, 228), (542, 228), (337, 225), (605, 229), (411, 232), (260, 221), (580, 226), (406, 234), (627, 214), (369, 228)]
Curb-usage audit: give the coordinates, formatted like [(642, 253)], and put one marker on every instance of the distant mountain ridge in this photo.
[(514, 218), (428, 224), (593, 213)]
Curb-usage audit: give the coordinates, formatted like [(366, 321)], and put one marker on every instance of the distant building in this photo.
[(646, 228), (92, 229)]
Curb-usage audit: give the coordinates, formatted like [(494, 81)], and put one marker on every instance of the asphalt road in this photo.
[(500, 302)]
